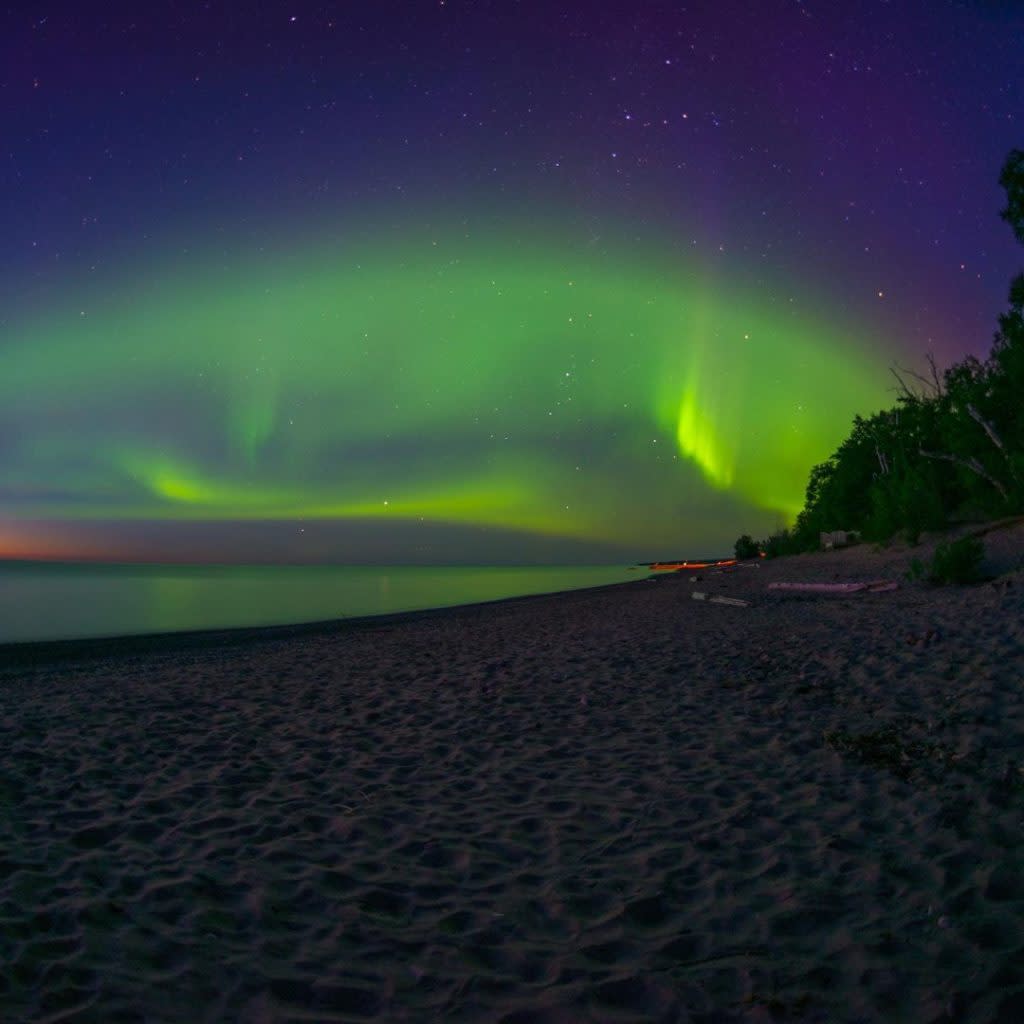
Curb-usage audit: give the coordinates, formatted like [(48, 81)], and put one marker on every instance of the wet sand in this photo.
[(610, 805)]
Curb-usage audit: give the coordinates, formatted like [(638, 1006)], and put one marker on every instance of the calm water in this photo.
[(48, 602)]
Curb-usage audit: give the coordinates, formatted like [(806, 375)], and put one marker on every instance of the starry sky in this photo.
[(453, 281)]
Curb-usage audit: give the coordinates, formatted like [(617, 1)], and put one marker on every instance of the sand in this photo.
[(612, 805)]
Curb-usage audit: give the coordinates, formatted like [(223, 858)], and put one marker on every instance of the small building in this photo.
[(838, 539)]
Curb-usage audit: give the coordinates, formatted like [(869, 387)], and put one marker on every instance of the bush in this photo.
[(781, 543), (958, 561), (746, 547), (917, 570)]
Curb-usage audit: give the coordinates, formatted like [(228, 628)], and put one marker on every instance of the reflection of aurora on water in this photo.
[(534, 386)]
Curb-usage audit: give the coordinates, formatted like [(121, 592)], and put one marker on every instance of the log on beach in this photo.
[(851, 587), (616, 804)]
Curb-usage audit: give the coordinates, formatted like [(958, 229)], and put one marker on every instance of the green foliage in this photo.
[(746, 547), (1012, 180), (781, 543), (957, 561), (883, 518), (907, 502), (917, 570)]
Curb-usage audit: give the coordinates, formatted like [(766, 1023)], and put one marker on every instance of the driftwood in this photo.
[(999, 524), (699, 595), (873, 586)]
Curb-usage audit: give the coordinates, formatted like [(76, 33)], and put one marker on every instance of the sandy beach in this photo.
[(620, 804)]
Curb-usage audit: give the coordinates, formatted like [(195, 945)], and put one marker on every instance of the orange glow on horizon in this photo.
[(679, 566), (44, 543)]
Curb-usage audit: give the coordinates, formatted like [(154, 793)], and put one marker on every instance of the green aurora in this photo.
[(615, 395)]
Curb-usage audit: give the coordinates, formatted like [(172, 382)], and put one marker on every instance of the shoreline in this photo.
[(806, 566), (21, 652)]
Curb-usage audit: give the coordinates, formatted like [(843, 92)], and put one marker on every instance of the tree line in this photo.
[(952, 447)]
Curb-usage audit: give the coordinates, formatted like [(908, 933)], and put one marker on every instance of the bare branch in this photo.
[(993, 436), (970, 463), (929, 388), (904, 390), (986, 426), (882, 461), (936, 379)]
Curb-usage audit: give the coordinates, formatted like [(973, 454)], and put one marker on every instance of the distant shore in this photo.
[(617, 803)]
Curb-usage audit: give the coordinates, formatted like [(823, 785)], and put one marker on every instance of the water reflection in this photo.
[(42, 602)]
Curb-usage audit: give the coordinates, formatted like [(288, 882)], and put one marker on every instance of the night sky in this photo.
[(451, 281)]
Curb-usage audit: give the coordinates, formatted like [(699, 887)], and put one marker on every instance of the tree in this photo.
[(746, 547), (1012, 180), (1006, 363)]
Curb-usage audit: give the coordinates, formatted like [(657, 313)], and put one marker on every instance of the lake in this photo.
[(62, 601)]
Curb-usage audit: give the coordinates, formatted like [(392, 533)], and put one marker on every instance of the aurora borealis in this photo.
[(374, 335), (519, 387)]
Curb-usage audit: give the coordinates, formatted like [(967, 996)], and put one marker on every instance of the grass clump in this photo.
[(917, 570), (956, 561)]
